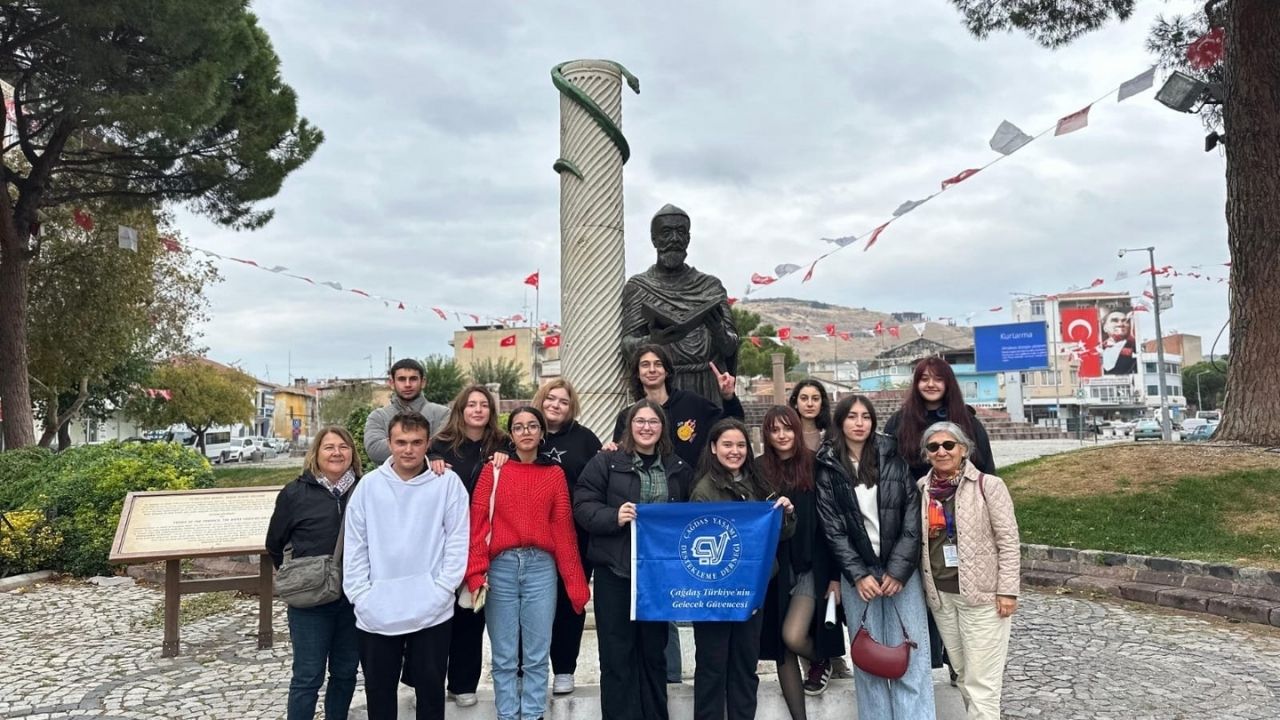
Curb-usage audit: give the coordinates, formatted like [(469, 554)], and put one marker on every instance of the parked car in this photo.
[(244, 449), (1203, 433), (1147, 430)]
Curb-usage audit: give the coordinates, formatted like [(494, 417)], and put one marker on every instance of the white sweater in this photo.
[(405, 549)]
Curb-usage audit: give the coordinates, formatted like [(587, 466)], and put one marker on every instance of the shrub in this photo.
[(355, 426), (20, 472), (28, 542), (82, 490)]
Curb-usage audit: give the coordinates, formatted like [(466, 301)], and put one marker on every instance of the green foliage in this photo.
[(1052, 24), (21, 470), (203, 395), (83, 489), (355, 425), (754, 360), (338, 406), (1212, 383), (253, 476), (444, 379), (28, 542), (504, 371)]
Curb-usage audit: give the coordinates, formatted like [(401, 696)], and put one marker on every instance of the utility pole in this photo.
[(1166, 431)]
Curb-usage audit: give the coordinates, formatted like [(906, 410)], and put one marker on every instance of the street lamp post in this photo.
[(1166, 431), (1199, 401)]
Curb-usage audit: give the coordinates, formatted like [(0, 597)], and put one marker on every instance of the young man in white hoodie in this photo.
[(407, 536)]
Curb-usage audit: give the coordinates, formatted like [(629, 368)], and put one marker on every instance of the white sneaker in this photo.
[(563, 685), (466, 699)]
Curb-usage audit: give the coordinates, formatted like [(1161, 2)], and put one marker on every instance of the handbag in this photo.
[(464, 595), (315, 580), (886, 661)]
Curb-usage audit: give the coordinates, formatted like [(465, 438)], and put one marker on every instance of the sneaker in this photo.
[(563, 684), (466, 699), (840, 669), (818, 677)]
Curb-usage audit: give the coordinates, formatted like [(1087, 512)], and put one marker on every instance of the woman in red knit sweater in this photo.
[(522, 533)]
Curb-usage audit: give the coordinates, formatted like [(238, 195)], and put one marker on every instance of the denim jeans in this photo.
[(521, 607), (911, 697), (322, 636)]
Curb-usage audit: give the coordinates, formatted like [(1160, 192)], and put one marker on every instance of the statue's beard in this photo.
[(672, 259)]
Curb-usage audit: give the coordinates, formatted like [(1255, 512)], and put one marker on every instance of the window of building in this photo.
[(1037, 308), (970, 390), (1153, 390), (1151, 368)]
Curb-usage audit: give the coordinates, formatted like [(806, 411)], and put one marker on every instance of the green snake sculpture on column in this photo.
[(589, 106)]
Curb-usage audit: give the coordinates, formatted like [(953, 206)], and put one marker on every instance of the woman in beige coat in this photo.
[(970, 564)]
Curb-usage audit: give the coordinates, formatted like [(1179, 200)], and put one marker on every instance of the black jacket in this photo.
[(571, 447), (609, 480), (306, 516), (980, 456), (689, 420), (465, 460), (899, 511)]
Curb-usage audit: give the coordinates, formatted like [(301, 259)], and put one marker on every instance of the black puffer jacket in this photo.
[(899, 510), (308, 517), (609, 480)]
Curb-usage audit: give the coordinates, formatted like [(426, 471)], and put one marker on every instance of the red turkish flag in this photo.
[(997, 308), (532, 279), (893, 330), (875, 235), (1206, 51), (754, 340), (439, 312), (170, 244), (958, 178), (1096, 282), (508, 341), (83, 219), (831, 329), (550, 341), (1080, 327), (399, 306), (731, 301), (845, 336), (802, 338), (809, 275), (784, 333), (758, 279), (879, 330), (470, 344)]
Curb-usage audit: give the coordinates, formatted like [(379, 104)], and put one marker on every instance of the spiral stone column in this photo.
[(592, 270)]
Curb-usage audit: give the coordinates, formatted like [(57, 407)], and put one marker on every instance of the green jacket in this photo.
[(706, 490)]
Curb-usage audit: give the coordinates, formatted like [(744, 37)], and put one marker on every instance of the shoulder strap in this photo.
[(493, 499), (342, 534)]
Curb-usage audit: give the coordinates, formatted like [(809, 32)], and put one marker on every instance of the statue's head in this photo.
[(669, 231)]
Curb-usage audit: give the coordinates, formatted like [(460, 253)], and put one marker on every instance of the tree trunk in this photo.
[(1251, 116), (15, 391), (64, 437), (55, 427)]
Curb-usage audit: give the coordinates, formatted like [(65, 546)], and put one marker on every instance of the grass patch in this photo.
[(226, 477), (193, 608), (1202, 502)]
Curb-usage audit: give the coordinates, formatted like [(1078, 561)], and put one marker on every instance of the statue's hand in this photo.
[(665, 336), (728, 383)]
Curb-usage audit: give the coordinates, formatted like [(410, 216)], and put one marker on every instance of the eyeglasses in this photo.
[(646, 422), (529, 429), (947, 445)]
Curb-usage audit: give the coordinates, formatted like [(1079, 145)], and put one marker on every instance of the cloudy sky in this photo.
[(773, 125)]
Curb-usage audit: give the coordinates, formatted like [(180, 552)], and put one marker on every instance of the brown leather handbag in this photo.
[(886, 661)]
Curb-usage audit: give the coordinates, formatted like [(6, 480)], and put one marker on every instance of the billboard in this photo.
[(1101, 338), (1010, 347)]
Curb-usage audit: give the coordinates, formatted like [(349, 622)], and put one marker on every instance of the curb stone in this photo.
[(14, 582), (1247, 594)]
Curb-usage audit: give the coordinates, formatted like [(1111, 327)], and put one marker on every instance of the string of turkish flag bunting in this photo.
[(1203, 53)]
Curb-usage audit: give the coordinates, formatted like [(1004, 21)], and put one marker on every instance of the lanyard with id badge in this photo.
[(950, 556)]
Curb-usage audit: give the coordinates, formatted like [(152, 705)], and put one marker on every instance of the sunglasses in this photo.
[(947, 445)]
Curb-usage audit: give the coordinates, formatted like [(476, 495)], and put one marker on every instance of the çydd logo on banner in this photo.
[(701, 561)]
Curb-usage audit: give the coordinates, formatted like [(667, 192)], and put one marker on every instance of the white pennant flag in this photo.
[(1122, 275), (908, 206), (1008, 138), (785, 269), (334, 285), (775, 340), (1136, 84), (919, 327), (842, 241), (127, 238), (1075, 121)]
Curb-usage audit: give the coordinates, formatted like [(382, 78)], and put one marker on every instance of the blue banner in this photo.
[(701, 561), (1012, 346)]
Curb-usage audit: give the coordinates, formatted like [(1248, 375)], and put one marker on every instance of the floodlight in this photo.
[(1182, 92)]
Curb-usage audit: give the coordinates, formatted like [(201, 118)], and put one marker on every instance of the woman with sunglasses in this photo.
[(870, 510), (972, 593), (644, 469), (522, 537)]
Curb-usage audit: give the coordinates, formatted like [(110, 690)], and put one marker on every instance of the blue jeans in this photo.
[(911, 697), (521, 605), (322, 636)]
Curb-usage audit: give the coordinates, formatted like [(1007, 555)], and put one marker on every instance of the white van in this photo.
[(215, 441)]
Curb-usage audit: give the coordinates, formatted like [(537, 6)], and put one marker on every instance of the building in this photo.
[(526, 346), (1184, 346), (295, 411)]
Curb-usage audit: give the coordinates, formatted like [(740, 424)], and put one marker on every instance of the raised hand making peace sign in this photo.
[(728, 383)]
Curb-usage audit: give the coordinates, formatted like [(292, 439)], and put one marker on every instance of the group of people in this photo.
[(465, 525)]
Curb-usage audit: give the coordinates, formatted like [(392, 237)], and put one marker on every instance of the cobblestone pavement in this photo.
[(73, 650)]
